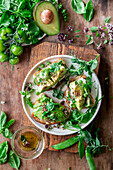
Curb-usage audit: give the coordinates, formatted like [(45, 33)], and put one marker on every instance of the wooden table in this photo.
[(104, 119)]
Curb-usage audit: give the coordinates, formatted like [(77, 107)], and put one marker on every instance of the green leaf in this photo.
[(77, 36), (88, 15), (94, 29), (5, 20), (3, 152), (3, 118), (105, 42), (14, 160), (7, 134), (94, 64), (97, 34), (77, 31), (90, 40), (107, 20), (9, 123), (81, 148), (78, 6), (6, 4)]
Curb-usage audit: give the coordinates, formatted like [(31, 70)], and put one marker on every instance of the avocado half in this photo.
[(51, 28)]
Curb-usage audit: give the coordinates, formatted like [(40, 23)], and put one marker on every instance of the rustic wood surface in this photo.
[(104, 120)]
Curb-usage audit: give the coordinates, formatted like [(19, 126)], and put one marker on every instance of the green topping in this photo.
[(48, 63), (38, 69), (42, 66), (50, 111)]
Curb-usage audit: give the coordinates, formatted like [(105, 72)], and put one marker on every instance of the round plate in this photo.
[(28, 110)]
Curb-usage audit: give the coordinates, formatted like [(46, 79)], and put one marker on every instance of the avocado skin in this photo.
[(49, 29)]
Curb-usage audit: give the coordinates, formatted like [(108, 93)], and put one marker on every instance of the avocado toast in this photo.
[(46, 111), (78, 94), (50, 76)]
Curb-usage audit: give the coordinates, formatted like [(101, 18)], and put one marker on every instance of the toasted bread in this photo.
[(67, 91), (47, 121), (51, 80)]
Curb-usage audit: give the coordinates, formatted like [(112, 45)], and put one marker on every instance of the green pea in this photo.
[(80, 81), (85, 94), (90, 161), (42, 66), (48, 63), (38, 69)]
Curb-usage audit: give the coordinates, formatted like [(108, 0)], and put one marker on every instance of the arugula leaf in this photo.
[(58, 93), (78, 6), (14, 160), (107, 20), (3, 152), (50, 106), (88, 15)]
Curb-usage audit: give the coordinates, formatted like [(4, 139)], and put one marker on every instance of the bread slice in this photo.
[(45, 79), (37, 115), (79, 93)]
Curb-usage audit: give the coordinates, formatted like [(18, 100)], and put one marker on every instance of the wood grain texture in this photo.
[(11, 82)]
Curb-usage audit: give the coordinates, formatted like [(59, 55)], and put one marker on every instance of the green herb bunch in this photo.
[(26, 93), (17, 26)]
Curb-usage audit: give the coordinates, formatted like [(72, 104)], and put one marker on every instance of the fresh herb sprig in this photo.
[(62, 10), (5, 125), (28, 90)]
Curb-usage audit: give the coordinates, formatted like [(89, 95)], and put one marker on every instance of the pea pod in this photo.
[(90, 161), (66, 143), (81, 148)]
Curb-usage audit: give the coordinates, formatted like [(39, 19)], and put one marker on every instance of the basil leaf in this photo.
[(7, 134), (81, 148), (23, 139), (78, 6), (5, 19), (6, 4), (14, 160), (88, 15), (94, 29), (3, 118), (94, 64), (9, 123), (107, 20), (3, 152)]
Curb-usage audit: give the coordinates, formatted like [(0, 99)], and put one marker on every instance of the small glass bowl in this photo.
[(25, 154)]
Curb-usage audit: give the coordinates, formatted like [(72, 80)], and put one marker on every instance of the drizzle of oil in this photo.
[(33, 140)]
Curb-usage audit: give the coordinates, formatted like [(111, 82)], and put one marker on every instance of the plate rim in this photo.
[(33, 121)]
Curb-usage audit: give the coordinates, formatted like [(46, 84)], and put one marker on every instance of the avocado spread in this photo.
[(46, 109)]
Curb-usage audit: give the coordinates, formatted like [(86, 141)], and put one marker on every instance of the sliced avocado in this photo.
[(58, 113), (47, 18), (76, 91)]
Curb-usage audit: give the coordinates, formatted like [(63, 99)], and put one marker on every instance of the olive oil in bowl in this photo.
[(27, 143)]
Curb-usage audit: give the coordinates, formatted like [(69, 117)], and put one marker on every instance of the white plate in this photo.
[(28, 110)]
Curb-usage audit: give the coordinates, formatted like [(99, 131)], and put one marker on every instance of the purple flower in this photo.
[(70, 40), (69, 28), (102, 35), (61, 37), (86, 29), (100, 28), (99, 46)]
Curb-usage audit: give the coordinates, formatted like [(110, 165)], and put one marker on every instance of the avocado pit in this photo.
[(47, 16)]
